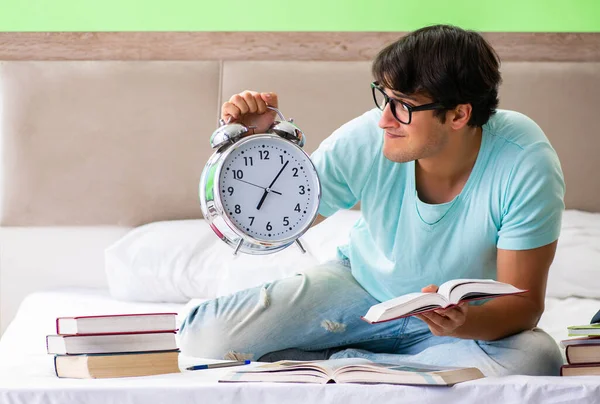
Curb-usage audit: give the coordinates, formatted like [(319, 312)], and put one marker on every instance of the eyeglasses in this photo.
[(401, 110)]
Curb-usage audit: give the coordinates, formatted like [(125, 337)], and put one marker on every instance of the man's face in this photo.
[(424, 137)]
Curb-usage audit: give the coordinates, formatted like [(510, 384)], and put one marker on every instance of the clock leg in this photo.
[(301, 246), (237, 247)]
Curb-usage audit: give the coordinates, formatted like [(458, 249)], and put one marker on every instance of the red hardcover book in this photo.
[(588, 369), (582, 350), (116, 324)]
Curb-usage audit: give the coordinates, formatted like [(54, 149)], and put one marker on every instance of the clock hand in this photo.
[(258, 186), (278, 174), (262, 200), (260, 203)]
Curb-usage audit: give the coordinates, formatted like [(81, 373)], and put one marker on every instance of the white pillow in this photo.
[(320, 242), (175, 261), (576, 267), (169, 261)]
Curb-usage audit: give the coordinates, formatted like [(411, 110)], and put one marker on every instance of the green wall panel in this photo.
[(298, 15)]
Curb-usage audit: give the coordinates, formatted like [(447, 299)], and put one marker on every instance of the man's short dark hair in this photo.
[(451, 65)]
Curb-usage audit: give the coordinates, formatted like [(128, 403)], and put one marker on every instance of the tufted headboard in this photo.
[(120, 140)]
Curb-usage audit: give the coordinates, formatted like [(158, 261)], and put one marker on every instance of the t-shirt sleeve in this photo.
[(343, 162), (534, 200)]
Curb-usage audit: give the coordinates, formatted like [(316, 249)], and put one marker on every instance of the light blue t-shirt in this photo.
[(512, 200)]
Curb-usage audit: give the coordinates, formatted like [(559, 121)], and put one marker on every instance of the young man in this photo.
[(449, 188)]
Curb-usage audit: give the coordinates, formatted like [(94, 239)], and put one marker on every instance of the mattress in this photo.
[(27, 374)]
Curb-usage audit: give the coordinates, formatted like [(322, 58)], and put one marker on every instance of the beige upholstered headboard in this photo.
[(100, 143), (123, 142)]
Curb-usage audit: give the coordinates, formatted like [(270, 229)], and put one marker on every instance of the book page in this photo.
[(471, 289), (325, 367), (380, 367), (404, 305), (404, 373), (420, 299), (446, 288), (287, 366), (334, 364)]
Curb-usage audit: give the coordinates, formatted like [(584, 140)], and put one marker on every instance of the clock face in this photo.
[(269, 188)]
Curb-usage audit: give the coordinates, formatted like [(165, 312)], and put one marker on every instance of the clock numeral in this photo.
[(297, 208), (251, 219), (302, 192), (264, 154), (248, 160), (281, 158), (295, 170), (286, 221), (238, 209), (269, 227), (230, 190), (238, 174)]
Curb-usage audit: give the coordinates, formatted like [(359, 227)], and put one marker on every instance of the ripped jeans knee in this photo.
[(318, 309), (218, 329)]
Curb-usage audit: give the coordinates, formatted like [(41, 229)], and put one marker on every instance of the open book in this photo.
[(352, 370), (449, 294)]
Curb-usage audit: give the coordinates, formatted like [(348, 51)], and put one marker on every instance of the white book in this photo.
[(116, 323), (110, 343), (449, 294)]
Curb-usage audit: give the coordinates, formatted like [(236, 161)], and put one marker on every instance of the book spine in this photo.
[(116, 352), (120, 353)]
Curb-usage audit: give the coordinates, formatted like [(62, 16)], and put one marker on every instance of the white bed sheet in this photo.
[(27, 374)]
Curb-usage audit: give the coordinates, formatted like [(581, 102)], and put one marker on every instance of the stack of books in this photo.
[(582, 353), (121, 345)]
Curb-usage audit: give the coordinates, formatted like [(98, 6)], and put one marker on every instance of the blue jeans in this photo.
[(316, 315)]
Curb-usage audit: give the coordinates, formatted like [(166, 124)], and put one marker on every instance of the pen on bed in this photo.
[(218, 365)]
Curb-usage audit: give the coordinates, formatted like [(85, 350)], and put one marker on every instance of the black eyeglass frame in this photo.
[(425, 107)]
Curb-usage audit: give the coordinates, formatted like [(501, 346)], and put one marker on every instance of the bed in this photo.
[(99, 167), (27, 373)]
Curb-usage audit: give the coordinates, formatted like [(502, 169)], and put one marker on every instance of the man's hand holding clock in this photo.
[(250, 109), (253, 149)]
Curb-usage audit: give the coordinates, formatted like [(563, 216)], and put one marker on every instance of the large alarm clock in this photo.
[(259, 193)]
